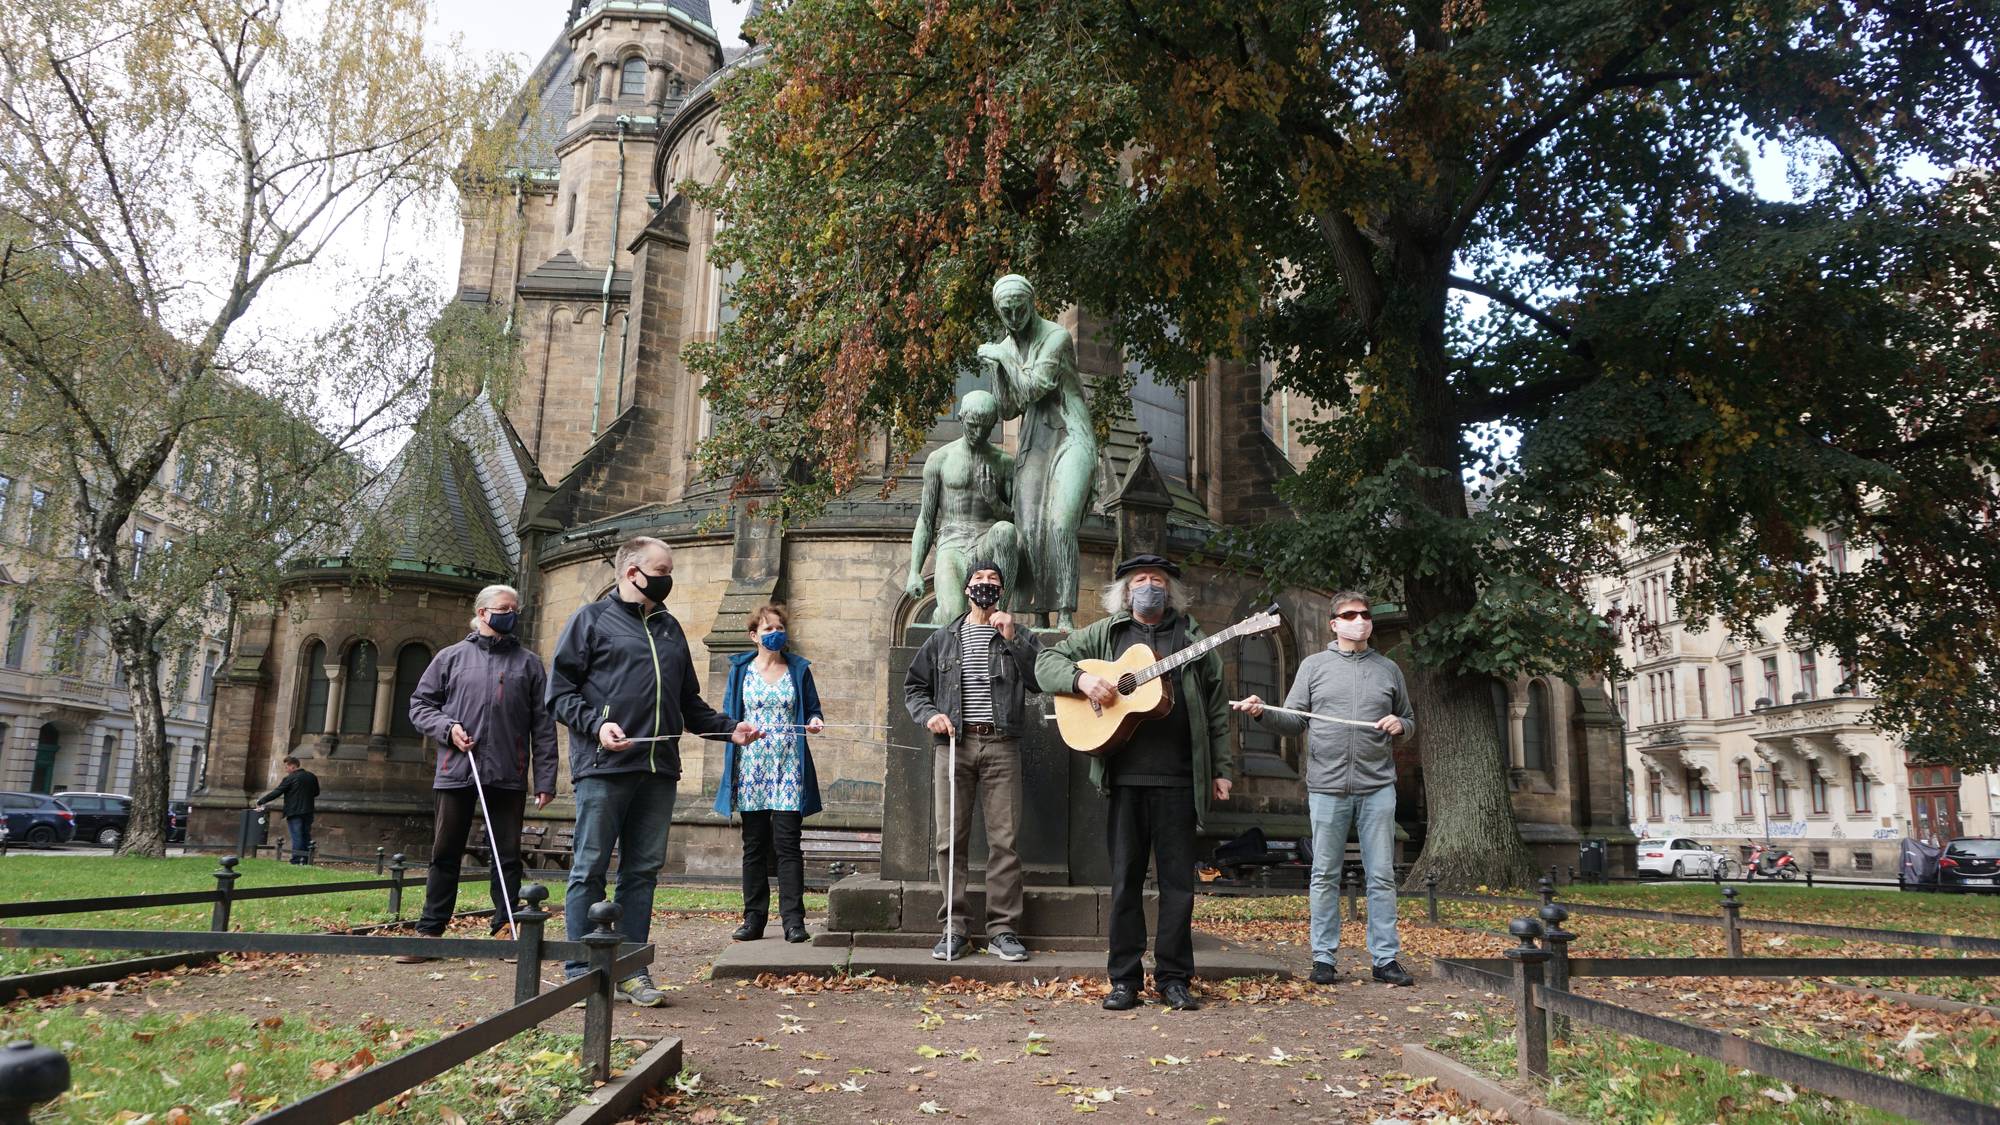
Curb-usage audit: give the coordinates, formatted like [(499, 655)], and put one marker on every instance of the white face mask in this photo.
[(1359, 629)]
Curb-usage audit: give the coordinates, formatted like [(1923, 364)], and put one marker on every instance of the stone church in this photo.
[(601, 264)]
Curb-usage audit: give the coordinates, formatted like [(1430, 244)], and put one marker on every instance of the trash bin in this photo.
[(1591, 865), (250, 833)]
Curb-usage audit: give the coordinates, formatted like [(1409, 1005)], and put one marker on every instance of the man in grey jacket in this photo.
[(1350, 777)]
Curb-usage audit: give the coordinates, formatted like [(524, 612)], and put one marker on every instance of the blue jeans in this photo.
[(1373, 815), (631, 811), (301, 829)]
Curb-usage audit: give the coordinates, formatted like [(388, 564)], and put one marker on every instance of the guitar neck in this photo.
[(1188, 655)]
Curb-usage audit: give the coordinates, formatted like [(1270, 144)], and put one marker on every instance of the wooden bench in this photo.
[(535, 846)]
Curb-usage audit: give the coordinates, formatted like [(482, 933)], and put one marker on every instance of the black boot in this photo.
[(795, 931), (751, 929)]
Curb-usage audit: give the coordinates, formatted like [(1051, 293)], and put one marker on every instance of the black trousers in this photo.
[(772, 839), (1155, 822), (455, 810)]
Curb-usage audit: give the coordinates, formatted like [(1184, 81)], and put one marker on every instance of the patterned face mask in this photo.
[(985, 595)]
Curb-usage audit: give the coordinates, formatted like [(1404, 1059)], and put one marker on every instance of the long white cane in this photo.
[(506, 892), (951, 838)]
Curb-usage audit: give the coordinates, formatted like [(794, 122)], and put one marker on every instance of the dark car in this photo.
[(1970, 863), (37, 819), (102, 818), (177, 821)]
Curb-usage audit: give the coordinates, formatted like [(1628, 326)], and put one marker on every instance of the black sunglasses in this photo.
[(1351, 614)]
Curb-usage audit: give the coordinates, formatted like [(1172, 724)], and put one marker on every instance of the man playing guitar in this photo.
[(1160, 782)]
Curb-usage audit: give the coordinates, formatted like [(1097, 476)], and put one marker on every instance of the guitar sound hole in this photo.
[(1127, 685)]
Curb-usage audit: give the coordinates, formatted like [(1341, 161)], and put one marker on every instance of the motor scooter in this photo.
[(1771, 863)]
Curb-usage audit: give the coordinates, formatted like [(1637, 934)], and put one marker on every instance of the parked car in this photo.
[(1970, 863), (37, 819), (102, 818), (177, 821), (1677, 857)]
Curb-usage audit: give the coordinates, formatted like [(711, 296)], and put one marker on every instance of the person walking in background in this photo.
[(1350, 778), (771, 782), (300, 790), (1160, 783), (483, 698), (971, 679), (623, 682)]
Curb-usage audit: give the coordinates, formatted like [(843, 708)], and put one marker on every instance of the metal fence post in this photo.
[(1353, 896), (312, 854), (1431, 893), (1808, 875), (379, 854), (1531, 1029), (1555, 875), (1558, 940), (1715, 870), (396, 869), (1732, 928), (603, 943), (225, 885), (1547, 888), (528, 925), (29, 1076)]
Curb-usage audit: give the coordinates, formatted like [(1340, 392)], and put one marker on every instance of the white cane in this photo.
[(951, 838), (506, 892), (1311, 715)]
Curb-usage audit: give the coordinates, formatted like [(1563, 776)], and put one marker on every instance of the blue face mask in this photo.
[(773, 641), (502, 623)]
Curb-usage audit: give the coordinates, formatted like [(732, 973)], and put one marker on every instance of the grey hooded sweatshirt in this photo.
[(1363, 685)]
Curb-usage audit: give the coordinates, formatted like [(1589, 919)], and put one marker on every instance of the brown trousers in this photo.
[(988, 770)]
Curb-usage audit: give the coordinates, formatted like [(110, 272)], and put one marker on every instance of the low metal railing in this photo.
[(608, 960), (1730, 920), (1537, 974)]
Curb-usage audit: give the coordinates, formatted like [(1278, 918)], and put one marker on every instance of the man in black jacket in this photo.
[(971, 678), (300, 789), (621, 679)]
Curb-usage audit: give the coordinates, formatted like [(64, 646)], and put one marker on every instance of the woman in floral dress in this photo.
[(770, 783)]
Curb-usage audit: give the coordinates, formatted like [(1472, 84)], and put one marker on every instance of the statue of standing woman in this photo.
[(1033, 368)]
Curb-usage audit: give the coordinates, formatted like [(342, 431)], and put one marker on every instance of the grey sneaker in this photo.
[(640, 990), (949, 950), (1007, 947)]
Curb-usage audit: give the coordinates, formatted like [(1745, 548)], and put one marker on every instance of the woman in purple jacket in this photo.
[(484, 696)]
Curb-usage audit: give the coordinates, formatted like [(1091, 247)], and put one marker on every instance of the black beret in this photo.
[(1144, 562)]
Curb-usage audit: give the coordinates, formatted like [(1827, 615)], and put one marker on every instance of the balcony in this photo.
[(1840, 714)]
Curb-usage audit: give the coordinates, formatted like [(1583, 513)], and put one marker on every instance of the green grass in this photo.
[(1614, 1078), (225, 1068)]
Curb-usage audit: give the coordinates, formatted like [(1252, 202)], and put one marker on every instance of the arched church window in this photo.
[(357, 707), (1258, 673), (410, 665), (1161, 410), (1535, 728), (632, 79), (313, 721)]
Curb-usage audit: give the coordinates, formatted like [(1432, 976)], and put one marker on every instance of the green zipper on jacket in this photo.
[(652, 748)]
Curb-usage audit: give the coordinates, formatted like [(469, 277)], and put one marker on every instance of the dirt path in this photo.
[(807, 1051)]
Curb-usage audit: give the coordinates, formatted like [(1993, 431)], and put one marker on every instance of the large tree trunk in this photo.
[(1471, 839), (151, 772)]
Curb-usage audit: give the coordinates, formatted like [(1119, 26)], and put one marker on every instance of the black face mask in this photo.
[(985, 595), (654, 587)]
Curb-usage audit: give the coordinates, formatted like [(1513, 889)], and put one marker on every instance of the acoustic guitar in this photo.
[(1144, 692)]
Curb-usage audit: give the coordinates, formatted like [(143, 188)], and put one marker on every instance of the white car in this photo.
[(1678, 857)]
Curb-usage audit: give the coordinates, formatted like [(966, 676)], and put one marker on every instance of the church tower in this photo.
[(619, 72)]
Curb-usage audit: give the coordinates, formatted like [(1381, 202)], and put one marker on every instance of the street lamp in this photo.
[(1764, 798)]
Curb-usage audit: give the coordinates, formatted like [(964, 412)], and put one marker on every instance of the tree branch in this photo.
[(1503, 297)]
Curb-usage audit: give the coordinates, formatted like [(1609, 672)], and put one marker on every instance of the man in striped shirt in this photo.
[(971, 679)]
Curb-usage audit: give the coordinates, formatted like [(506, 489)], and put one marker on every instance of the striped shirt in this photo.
[(975, 683)]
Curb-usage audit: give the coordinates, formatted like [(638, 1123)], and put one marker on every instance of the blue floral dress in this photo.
[(771, 770)]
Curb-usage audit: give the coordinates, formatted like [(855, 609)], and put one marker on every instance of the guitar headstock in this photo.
[(1263, 622)]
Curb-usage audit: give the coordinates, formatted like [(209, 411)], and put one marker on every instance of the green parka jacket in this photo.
[(1201, 682)]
